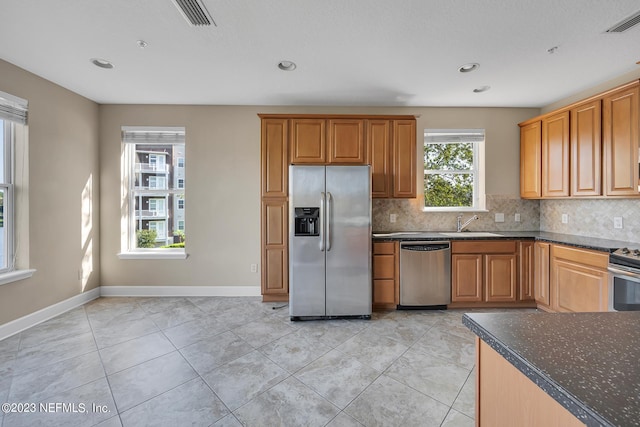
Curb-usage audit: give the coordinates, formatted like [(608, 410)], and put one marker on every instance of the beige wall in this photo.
[(223, 183), (63, 160)]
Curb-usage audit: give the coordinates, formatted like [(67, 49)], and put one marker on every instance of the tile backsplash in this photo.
[(586, 217), (592, 218), (411, 217)]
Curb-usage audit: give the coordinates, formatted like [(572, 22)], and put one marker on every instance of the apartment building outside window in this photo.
[(153, 177)]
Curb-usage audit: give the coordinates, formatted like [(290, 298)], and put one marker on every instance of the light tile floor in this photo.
[(223, 361)]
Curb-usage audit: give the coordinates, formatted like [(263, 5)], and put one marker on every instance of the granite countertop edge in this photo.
[(578, 408), (585, 242)]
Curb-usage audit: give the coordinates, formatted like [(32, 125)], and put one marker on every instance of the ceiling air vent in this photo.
[(194, 12), (625, 24)]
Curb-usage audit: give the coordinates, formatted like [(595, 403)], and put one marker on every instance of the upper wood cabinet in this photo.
[(404, 158), (586, 148), (346, 141), (392, 156), (531, 160), (379, 136), (274, 158), (328, 141), (308, 141), (555, 155), (620, 134)]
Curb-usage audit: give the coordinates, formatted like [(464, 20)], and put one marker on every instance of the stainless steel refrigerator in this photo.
[(329, 242)]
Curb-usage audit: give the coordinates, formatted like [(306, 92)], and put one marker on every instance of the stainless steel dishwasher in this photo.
[(425, 274)]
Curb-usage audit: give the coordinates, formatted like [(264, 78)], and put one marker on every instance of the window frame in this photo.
[(131, 138), (7, 185), (459, 136)]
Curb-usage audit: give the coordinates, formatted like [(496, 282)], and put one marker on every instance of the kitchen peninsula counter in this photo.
[(586, 362), (585, 242)]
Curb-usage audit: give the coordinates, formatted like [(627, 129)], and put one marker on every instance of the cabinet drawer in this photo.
[(582, 256), (384, 267), (384, 248), (384, 291), (483, 246)]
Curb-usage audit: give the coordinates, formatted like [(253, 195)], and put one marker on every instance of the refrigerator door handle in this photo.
[(321, 231), (329, 218)]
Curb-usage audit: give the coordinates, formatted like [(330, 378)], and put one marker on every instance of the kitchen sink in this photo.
[(471, 234)]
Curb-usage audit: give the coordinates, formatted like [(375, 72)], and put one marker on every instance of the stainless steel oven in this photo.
[(624, 280)]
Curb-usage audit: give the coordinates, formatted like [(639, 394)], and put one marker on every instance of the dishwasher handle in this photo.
[(424, 246)]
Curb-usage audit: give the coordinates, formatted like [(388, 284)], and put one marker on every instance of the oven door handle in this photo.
[(624, 272)]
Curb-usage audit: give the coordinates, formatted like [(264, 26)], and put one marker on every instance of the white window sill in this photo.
[(151, 254), (14, 276), (456, 210)]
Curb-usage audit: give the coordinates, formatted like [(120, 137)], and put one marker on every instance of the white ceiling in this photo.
[(348, 52)]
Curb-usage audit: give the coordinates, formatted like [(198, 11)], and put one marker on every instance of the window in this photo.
[(181, 183), (149, 170), (454, 169), (181, 225), (180, 162), (13, 117)]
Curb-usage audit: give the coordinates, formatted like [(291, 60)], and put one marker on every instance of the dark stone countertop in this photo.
[(587, 362), (594, 243)]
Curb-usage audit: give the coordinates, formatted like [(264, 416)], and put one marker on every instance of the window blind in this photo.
[(441, 136), (13, 108), (153, 135)]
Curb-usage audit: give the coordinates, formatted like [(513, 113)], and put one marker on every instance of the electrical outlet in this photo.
[(499, 217), (565, 218), (254, 268), (517, 217), (617, 222), (392, 218)]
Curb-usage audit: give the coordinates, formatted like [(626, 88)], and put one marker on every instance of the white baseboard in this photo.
[(180, 291), (25, 322)]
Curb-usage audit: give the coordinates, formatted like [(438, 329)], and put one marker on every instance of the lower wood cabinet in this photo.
[(275, 255), (525, 270), (484, 271), (579, 279), (542, 254), (386, 266)]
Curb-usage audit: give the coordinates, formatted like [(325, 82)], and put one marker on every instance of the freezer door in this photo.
[(306, 258), (348, 231)]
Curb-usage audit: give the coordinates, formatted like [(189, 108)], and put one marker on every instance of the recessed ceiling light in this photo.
[(287, 65), (102, 63), (481, 89), (467, 68), (142, 44)]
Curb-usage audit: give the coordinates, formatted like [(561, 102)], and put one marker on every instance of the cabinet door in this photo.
[(541, 273), (555, 155), (586, 146), (346, 141), (274, 159), (404, 158), (620, 135), (275, 263), (525, 271), (379, 149), (579, 279), (500, 277), (466, 278), (308, 143), (577, 287), (530, 160)]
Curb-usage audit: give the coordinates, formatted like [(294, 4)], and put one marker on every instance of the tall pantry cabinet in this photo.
[(386, 143)]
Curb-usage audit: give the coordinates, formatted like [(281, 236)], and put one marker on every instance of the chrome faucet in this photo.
[(461, 226)]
